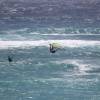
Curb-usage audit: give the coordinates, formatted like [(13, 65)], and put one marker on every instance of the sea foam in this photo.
[(63, 43)]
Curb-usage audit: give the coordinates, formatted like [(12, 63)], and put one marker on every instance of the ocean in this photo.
[(72, 73)]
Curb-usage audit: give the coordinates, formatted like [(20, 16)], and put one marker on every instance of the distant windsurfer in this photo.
[(10, 59)]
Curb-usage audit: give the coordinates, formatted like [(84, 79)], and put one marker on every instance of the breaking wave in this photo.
[(63, 43)]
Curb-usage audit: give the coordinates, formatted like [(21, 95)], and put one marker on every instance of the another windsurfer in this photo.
[(10, 59)]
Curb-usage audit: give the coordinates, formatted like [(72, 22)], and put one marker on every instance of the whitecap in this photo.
[(63, 43)]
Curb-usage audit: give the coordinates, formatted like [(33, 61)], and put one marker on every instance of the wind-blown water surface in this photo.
[(26, 30)]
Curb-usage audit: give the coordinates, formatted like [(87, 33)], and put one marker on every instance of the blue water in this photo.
[(27, 29), (72, 73)]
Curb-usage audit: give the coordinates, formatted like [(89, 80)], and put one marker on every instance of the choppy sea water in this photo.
[(72, 73)]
